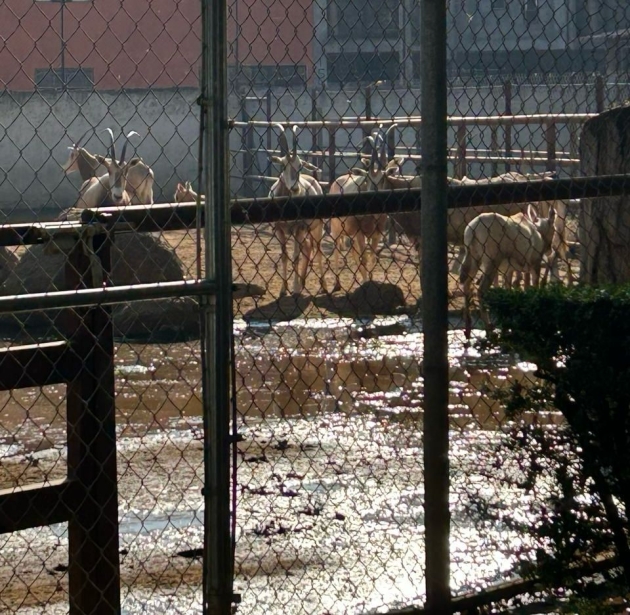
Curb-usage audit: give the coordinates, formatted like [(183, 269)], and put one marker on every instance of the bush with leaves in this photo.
[(579, 339)]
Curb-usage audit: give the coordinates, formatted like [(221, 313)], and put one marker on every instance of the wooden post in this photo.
[(599, 93), (461, 167), (507, 93), (94, 568), (550, 138)]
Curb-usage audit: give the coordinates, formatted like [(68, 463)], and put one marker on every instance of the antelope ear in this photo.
[(360, 172), (532, 214), (179, 187), (277, 159), (188, 186), (103, 160), (309, 166)]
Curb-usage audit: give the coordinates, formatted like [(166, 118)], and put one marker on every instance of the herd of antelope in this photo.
[(513, 239)]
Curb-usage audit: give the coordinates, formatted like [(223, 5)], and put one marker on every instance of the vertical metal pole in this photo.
[(218, 567), (435, 305), (507, 91)]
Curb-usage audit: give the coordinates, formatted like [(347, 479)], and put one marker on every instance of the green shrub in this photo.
[(579, 338)]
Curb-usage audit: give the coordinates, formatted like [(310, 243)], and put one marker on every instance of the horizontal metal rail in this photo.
[(152, 218), (491, 120), (106, 296), (472, 155)]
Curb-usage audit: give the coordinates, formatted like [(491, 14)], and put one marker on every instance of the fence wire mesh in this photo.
[(324, 97), (330, 380), (71, 70)]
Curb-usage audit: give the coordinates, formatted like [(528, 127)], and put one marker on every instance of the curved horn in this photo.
[(374, 154), (131, 133), (384, 144), (294, 153), (112, 147), (284, 144), (77, 143)]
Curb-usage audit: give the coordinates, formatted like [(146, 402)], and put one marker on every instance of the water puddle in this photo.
[(330, 473)]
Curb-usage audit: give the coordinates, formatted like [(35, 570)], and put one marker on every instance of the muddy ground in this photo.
[(330, 482)]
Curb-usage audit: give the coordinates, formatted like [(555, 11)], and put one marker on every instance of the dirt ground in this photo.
[(33, 577), (256, 256)]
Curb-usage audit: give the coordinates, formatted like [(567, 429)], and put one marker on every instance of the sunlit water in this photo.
[(330, 513)]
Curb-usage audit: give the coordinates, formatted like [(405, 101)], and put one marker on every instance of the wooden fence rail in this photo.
[(88, 497)]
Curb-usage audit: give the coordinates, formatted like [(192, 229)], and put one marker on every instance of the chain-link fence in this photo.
[(102, 454), (101, 434), (331, 381)]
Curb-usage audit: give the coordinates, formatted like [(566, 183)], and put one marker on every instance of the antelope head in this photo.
[(117, 169), (379, 167), (290, 162), (185, 193)]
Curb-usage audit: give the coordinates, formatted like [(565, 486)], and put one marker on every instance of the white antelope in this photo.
[(307, 234), (138, 177), (366, 229), (494, 243), (458, 218), (110, 189)]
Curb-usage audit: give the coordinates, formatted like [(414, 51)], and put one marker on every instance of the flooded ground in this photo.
[(330, 514)]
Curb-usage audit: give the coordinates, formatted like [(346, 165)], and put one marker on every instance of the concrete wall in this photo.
[(36, 130)]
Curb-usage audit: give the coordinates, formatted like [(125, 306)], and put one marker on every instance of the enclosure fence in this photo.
[(242, 366)]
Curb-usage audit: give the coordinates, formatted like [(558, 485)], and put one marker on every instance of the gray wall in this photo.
[(37, 128)]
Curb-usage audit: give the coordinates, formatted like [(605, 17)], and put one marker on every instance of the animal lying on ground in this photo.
[(138, 177), (110, 189)]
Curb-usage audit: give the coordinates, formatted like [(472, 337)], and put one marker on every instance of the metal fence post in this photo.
[(507, 92), (435, 306), (216, 339), (599, 93)]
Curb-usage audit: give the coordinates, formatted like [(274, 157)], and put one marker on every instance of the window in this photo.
[(56, 78), (531, 10), (364, 18), (363, 67)]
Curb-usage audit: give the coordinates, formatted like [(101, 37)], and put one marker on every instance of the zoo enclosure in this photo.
[(296, 345)]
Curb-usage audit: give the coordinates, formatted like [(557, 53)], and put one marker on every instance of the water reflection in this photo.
[(289, 370)]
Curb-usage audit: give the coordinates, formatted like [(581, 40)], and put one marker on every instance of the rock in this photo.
[(604, 223), (136, 258), (377, 298)]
